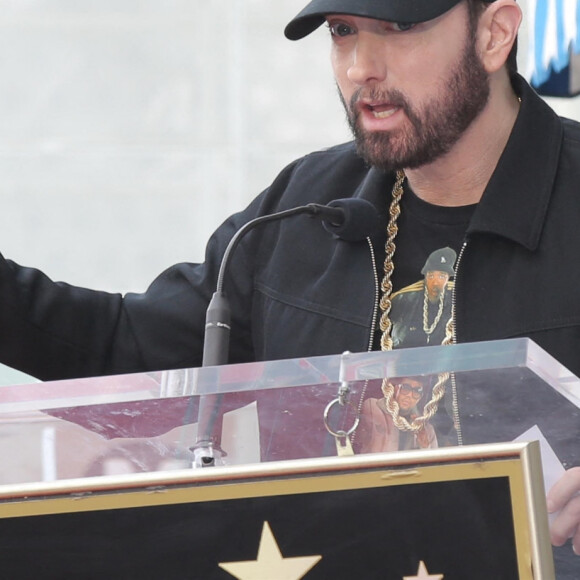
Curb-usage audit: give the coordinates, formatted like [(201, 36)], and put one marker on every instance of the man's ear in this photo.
[(497, 32)]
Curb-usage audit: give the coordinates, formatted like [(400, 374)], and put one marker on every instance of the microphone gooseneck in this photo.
[(351, 220), (218, 317)]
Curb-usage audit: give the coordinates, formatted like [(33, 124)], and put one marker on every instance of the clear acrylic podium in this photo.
[(94, 454)]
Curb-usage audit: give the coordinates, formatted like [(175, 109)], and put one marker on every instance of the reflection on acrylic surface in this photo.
[(279, 410)]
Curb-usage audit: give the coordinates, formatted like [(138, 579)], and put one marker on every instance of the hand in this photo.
[(421, 436), (564, 498)]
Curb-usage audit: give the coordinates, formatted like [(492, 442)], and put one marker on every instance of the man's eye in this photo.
[(340, 29), (403, 26)]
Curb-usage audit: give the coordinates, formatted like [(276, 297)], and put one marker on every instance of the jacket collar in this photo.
[(515, 201)]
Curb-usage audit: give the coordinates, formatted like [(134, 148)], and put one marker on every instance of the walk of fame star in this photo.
[(423, 574), (270, 563)]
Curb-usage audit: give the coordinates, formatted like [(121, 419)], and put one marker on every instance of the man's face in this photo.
[(435, 282), (408, 393), (409, 94)]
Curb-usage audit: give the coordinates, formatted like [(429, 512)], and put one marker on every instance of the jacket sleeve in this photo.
[(53, 330)]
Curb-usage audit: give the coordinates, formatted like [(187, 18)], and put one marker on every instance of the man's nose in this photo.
[(368, 65)]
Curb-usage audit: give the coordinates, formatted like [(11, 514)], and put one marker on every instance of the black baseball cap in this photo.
[(407, 11)]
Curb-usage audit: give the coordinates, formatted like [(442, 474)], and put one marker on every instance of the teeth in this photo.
[(383, 114)]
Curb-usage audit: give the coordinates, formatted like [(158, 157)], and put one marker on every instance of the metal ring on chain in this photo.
[(341, 433)]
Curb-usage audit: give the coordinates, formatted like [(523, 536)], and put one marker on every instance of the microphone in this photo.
[(356, 219), (350, 219)]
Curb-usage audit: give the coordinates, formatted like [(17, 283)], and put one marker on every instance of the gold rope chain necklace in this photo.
[(428, 330), (385, 324)]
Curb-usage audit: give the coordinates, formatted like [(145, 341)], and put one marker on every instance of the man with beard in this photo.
[(453, 149)]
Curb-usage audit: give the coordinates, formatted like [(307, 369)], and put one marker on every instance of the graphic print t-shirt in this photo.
[(427, 246)]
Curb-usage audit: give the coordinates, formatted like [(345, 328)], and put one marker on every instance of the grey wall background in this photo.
[(129, 129)]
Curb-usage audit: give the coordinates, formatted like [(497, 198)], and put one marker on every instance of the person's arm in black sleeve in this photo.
[(52, 330)]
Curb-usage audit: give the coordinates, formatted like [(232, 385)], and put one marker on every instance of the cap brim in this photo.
[(409, 11)]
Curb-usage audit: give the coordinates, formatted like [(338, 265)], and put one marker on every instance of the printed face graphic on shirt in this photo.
[(420, 312), (435, 282)]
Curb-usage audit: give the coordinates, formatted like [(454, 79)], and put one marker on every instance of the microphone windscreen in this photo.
[(360, 219)]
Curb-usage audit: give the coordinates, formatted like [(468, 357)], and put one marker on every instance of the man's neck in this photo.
[(460, 177)]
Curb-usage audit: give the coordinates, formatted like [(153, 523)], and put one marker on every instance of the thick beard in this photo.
[(435, 130)]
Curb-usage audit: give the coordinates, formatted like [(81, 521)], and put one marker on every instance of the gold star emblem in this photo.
[(423, 574), (270, 563)]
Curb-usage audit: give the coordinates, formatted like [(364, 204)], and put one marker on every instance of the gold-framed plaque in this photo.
[(474, 512)]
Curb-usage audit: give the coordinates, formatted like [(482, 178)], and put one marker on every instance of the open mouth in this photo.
[(382, 111)]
